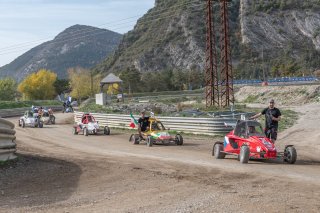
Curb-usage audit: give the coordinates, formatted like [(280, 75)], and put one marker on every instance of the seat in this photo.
[(84, 120)]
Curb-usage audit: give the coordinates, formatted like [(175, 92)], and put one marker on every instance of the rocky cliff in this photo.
[(279, 28), (276, 36), (166, 37)]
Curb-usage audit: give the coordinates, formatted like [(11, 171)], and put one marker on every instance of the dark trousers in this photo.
[(271, 133)]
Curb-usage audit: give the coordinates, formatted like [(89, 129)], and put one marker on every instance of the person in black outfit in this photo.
[(143, 123), (64, 106), (273, 116)]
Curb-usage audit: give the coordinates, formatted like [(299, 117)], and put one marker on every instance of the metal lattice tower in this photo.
[(211, 72), (226, 77)]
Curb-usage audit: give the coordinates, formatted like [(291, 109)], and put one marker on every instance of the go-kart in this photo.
[(248, 141), (48, 116), (30, 119), (156, 134), (89, 125)]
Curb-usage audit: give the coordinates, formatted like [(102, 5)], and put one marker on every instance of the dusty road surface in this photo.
[(61, 172)]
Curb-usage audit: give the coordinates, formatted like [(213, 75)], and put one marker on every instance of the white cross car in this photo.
[(30, 119)]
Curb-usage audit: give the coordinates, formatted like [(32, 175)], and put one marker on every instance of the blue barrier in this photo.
[(278, 80)]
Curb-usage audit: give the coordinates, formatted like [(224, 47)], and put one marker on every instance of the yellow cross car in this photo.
[(156, 133)]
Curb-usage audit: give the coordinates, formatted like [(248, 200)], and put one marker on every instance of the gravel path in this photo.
[(60, 172)]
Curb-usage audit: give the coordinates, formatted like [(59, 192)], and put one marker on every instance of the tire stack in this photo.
[(7, 141)]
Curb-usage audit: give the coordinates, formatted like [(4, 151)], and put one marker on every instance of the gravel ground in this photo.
[(60, 172)]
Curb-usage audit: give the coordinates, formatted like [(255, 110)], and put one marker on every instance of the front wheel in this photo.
[(53, 119), (179, 140), (134, 139), (149, 141), (106, 130), (290, 155), (85, 132), (218, 151), (244, 154), (40, 124)]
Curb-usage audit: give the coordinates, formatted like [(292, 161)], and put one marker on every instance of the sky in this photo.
[(25, 24)]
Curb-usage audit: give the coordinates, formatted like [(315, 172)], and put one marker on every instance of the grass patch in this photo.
[(22, 104), (6, 164), (289, 118), (178, 92), (251, 99), (3, 163), (95, 108)]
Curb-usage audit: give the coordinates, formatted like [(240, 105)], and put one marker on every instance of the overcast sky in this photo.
[(25, 24)]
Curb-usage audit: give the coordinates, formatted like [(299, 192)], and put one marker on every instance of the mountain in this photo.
[(78, 45), (279, 37)]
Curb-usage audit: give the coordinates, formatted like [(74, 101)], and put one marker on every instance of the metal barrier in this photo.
[(204, 126), (6, 113), (7, 138)]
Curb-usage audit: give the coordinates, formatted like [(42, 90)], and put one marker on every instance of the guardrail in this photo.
[(6, 113), (7, 138), (204, 126)]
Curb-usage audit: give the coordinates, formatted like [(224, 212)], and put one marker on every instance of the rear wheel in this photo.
[(218, 151), (23, 124), (19, 122), (179, 140), (136, 139), (85, 132), (149, 141), (131, 138), (106, 130), (290, 155), (244, 154), (53, 119), (40, 124)]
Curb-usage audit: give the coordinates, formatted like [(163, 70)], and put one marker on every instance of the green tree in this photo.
[(131, 78), (61, 85), (195, 79), (8, 88), (179, 79)]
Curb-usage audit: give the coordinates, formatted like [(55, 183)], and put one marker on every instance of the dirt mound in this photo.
[(284, 95)]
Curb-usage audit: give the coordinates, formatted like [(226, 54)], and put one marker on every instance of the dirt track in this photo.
[(60, 172)]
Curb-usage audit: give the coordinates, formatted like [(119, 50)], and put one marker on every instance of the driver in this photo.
[(40, 111), (90, 119), (252, 130), (30, 114), (143, 123)]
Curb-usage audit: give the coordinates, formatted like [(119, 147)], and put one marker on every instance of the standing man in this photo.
[(273, 116), (143, 123)]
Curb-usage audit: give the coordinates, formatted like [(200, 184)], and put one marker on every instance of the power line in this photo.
[(76, 38), (105, 24)]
